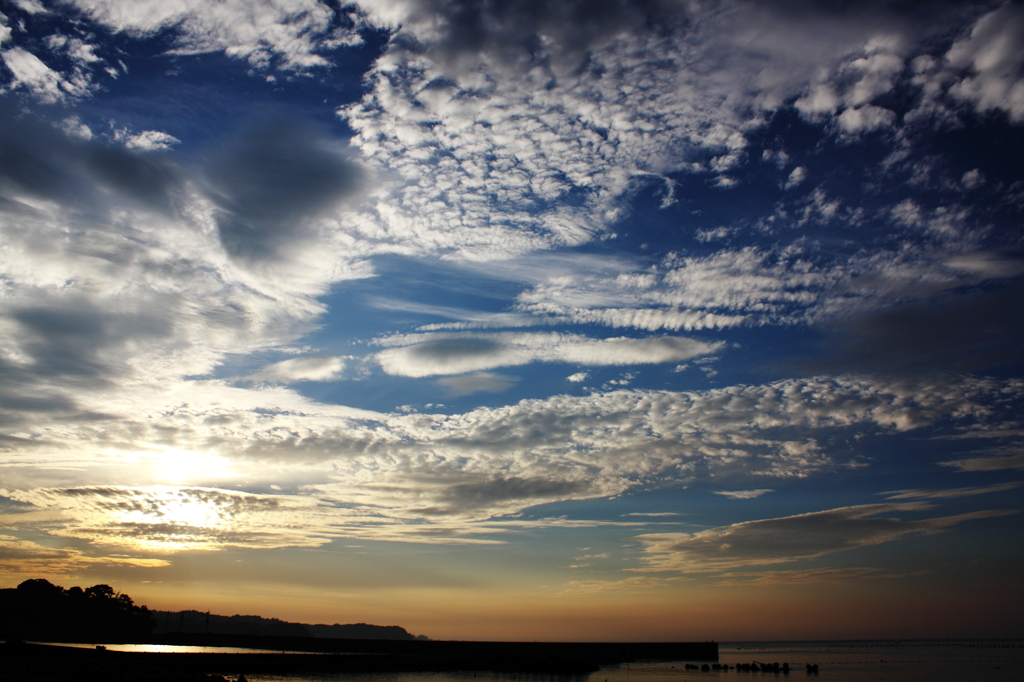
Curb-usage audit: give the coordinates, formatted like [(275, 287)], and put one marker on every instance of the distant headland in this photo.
[(41, 611), (198, 622)]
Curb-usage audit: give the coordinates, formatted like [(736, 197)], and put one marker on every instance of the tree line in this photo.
[(38, 610)]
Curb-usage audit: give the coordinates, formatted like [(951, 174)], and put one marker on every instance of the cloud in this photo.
[(792, 538), (30, 558), (47, 85), (514, 125), (116, 271), (289, 35), (962, 332), (951, 493), (482, 382), (504, 131), (744, 494), (577, 377), (420, 355), (995, 463), (992, 55), (270, 183), (151, 140), (796, 177), (172, 519), (311, 368), (753, 287), (436, 477), (810, 576)]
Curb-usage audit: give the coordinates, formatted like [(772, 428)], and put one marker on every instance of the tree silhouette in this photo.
[(39, 610)]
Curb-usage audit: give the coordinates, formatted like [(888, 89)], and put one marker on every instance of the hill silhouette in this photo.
[(41, 611), (197, 622)]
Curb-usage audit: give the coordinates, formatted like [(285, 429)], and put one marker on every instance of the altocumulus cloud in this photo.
[(179, 518), (432, 478)]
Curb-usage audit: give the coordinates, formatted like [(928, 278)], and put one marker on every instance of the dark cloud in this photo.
[(486, 493), (69, 346), (461, 347), (271, 180), (70, 336), (510, 28), (967, 332), (482, 382), (515, 30), (38, 159)]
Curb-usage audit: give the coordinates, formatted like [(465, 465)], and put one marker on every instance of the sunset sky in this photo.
[(519, 319)]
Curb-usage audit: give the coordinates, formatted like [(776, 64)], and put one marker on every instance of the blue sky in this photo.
[(513, 320)]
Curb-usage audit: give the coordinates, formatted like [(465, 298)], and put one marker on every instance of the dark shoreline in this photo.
[(44, 663)]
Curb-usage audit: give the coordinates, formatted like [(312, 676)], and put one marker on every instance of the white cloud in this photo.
[(754, 287), (578, 377), (311, 368), (744, 494), (31, 6), (797, 176), (420, 355), (47, 85), (151, 140), (258, 31), (865, 119), (973, 179), (594, 113), (993, 56)]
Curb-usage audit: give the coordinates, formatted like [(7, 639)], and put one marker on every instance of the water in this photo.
[(860, 661), (175, 649)]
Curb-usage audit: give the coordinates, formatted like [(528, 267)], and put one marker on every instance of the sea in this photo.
[(843, 661)]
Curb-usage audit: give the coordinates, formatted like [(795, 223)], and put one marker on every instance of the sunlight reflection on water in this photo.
[(175, 649)]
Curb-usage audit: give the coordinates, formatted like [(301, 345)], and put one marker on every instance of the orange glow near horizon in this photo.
[(861, 610)]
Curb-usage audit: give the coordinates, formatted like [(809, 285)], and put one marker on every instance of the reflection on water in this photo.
[(176, 649), (945, 661), (863, 661)]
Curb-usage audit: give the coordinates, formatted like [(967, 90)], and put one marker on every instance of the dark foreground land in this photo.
[(41, 663)]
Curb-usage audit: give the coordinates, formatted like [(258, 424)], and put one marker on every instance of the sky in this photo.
[(567, 320)]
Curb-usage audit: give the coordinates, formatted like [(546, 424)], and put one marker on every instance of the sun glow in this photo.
[(177, 518), (181, 467)]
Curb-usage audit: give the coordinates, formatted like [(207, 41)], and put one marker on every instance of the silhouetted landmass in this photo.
[(40, 610), (361, 631), (196, 622)]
